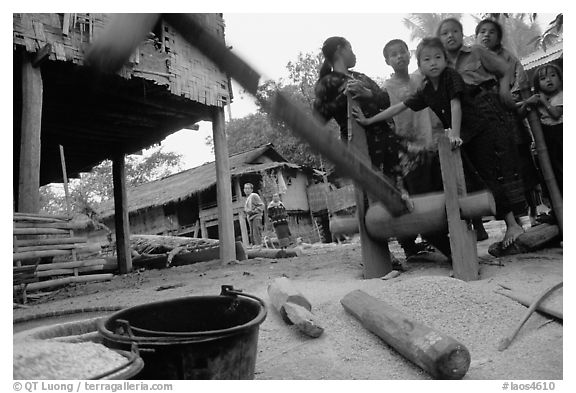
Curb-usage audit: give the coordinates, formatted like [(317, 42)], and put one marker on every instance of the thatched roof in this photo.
[(183, 185)]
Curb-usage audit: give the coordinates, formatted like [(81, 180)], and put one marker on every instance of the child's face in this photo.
[(451, 36), (432, 62), (398, 56), (549, 81), (488, 36)]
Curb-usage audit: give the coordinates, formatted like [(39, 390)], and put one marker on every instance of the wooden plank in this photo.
[(57, 225), (223, 188), (52, 253), (66, 24), (376, 258), (40, 216), (68, 280), (462, 236), (437, 353), (547, 306), (39, 231), (68, 246), (49, 241), (121, 214), (74, 271), (71, 265), (42, 55), (30, 145)]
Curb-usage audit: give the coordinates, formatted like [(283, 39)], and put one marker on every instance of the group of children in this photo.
[(462, 92)]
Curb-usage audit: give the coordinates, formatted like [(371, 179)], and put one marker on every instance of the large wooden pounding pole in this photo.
[(437, 353)]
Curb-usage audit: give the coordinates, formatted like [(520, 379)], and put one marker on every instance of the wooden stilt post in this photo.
[(29, 178), (224, 188), (376, 257), (121, 214), (242, 216), (462, 236)]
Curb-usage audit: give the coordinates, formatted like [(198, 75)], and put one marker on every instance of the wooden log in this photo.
[(58, 225), (40, 231), (50, 241), (282, 291), (535, 238), (69, 246), (428, 215), (63, 272), (223, 188), (437, 353), (71, 264), (52, 253), (293, 307), (39, 217), (548, 306), (67, 280), (271, 253)]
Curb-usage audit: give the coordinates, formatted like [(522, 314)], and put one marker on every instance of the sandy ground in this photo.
[(470, 312)]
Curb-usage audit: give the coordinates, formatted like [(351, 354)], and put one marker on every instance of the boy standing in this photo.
[(418, 128), (254, 208)]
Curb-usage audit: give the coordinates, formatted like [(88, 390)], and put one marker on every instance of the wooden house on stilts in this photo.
[(63, 105)]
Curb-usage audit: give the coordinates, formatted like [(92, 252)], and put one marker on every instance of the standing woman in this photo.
[(387, 151), (489, 34), (492, 148)]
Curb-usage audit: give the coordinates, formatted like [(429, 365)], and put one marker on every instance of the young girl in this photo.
[(548, 101), (444, 91)]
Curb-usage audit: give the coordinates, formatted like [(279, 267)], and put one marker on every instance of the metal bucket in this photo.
[(197, 337)]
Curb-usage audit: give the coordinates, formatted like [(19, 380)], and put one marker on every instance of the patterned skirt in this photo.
[(494, 154)]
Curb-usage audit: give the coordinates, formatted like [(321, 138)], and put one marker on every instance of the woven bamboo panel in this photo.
[(167, 59)]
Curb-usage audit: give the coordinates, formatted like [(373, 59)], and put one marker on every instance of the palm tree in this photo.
[(425, 25)]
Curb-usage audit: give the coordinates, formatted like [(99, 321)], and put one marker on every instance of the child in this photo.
[(254, 208), (548, 101), (279, 217), (445, 93), (417, 128)]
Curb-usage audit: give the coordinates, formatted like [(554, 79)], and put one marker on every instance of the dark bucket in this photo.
[(198, 337)]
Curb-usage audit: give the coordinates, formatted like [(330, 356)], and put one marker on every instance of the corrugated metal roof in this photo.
[(542, 56)]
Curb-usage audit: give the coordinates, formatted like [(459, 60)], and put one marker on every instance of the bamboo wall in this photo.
[(165, 57)]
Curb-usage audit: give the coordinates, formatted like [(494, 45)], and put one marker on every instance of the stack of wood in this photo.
[(45, 249)]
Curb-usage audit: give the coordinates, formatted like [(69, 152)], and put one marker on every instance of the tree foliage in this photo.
[(94, 187)]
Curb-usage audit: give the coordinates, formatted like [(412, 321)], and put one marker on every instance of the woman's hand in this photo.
[(357, 89), (360, 118), (455, 140), (507, 99)]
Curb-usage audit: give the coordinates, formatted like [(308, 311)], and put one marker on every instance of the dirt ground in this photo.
[(471, 312)]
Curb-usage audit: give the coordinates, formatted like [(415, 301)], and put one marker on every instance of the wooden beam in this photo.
[(223, 188), (376, 258), (462, 236), (30, 145), (42, 55), (121, 214)]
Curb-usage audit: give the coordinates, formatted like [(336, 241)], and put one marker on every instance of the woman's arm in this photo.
[(382, 116), (503, 70)]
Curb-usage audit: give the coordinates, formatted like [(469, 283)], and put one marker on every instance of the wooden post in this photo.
[(462, 236), (121, 214), (29, 178), (376, 257), (65, 180), (544, 160), (241, 215), (224, 188)]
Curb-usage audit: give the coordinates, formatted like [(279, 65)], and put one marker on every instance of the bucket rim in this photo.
[(162, 338)]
